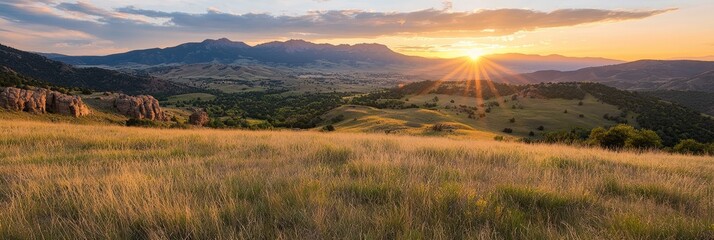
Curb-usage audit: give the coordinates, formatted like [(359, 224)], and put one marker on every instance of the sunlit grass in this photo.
[(107, 182)]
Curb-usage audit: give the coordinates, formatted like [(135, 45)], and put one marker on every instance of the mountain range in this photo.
[(302, 53), (643, 75)]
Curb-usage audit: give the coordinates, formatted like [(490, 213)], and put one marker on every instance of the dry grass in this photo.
[(106, 182)]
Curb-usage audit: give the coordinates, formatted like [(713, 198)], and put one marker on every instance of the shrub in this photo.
[(133, 122), (625, 136), (691, 146), (508, 130), (512, 120), (541, 128), (328, 128)]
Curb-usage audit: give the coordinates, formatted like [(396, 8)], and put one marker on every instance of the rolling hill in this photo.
[(415, 107), (43, 69)]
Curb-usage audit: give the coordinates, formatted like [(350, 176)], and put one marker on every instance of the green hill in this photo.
[(519, 109)]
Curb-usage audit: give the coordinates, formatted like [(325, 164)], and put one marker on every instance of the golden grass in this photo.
[(111, 182)]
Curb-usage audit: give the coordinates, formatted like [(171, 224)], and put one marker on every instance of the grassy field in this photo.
[(548, 113), (109, 182)]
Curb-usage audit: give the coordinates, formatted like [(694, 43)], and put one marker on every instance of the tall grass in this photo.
[(105, 182)]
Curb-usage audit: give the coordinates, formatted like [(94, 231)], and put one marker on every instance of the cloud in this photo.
[(131, 24), (357, 23)]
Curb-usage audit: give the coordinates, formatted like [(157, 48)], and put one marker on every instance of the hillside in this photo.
[(529, 114), (59, 182), (493, 107), (683, 75), (700, 101), (61, 74)]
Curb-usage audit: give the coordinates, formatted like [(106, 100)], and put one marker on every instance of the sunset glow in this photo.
[(442, 29)]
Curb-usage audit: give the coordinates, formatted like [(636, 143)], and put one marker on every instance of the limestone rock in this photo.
[(42, 100), (140, 107), (198, 118)]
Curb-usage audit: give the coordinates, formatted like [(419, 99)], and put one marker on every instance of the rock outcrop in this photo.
[(140, 107), (199, 118), (42, 100)]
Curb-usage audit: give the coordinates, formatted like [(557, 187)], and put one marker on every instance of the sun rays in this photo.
[(478, 74)]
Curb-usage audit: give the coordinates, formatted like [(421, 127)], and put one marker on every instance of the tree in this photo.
[(508, 130), (644, 139), (613, 138), (580, 103), (541, 128), (452, 101), (624, 136), (436, 99), (512, 120), (531, 133), (566, 111)]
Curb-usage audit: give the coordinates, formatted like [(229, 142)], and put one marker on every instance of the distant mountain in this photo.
[(61, 74), (302, 53), (522, 63), (293, 52), (684, 75)]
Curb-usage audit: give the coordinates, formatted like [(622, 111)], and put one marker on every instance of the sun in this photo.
[(475, 54)]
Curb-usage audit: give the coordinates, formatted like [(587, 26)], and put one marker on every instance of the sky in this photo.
[(625, 30)]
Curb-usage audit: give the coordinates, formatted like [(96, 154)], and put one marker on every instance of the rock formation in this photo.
[(42, 100), (140, 107), (198, 118)]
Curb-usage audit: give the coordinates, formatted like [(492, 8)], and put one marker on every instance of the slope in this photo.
[(54, 72)]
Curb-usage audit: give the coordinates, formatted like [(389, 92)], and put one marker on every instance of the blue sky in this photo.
[(616, 29)]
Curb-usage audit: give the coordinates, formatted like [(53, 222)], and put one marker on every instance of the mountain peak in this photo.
[(223, 42)]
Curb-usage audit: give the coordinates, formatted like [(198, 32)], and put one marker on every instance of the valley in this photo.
[(295, 140), (337, 119)]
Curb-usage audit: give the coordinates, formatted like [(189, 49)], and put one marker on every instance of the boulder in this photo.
[(42, 100), (140, 107), (199, 118)]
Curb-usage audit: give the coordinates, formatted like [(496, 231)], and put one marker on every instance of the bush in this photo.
[(508, 130), (691, 146), (624, 136), (133, 122), (512, 120), (541, 128), (328, 128)]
